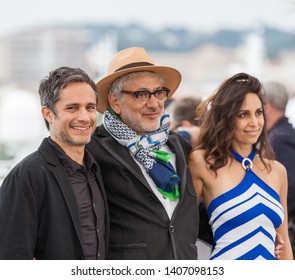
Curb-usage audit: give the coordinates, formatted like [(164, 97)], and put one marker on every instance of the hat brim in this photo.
[(172, 78)]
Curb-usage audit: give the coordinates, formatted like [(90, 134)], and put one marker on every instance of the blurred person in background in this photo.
[(185, 123), (183, 115), (52, 204), (281, 135)]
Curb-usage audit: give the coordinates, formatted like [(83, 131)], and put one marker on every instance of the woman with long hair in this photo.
[(244, 192)]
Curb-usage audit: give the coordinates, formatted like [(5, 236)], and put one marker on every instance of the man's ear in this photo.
[(114, 103), (47, 114), (268, 108)]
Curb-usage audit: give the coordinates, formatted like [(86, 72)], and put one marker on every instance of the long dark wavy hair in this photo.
[(218, 114)]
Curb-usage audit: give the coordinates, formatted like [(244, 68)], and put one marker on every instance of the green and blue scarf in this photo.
[(146, 150)]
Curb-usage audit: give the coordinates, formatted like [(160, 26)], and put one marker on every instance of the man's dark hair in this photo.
[(51, 86)]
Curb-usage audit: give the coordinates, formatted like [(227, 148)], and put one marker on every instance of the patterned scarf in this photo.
[(146, 150)]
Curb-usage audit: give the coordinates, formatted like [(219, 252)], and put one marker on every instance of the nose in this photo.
[(254, 120), (152, 101), (84, 115)]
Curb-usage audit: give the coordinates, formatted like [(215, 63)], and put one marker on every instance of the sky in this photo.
[(198, 15)]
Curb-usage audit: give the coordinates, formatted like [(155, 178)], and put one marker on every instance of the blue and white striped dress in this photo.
[(244, 220)]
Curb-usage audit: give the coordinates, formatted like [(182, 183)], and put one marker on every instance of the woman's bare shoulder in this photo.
[(278, 167), (197, 154), (275, 165), (277, 171), (197, 160)]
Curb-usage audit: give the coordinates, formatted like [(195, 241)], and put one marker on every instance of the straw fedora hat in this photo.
[(133, 60)]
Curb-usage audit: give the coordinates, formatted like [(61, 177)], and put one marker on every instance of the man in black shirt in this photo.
[(53, 204)]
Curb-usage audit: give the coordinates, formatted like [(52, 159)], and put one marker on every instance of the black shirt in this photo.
[(89, 202)]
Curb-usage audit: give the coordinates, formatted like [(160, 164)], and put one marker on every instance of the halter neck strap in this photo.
[(246, 162)]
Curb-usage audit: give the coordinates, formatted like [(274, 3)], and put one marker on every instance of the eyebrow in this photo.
[(146, 89), (247, 110), (78, 104)]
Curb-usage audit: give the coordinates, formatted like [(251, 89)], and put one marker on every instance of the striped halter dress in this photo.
[(244, 219)]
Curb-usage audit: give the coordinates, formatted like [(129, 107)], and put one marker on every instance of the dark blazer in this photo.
[(282, 139), (140, 227), (39, 215)]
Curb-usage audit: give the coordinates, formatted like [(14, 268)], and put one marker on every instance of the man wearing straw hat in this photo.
[(151, 197)]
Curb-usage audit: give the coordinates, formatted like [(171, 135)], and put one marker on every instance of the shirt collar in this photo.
[(71, 165)]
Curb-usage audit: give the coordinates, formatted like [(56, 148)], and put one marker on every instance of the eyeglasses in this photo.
[(143, 96)]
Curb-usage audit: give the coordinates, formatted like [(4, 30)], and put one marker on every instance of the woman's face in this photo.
[(249, 121)]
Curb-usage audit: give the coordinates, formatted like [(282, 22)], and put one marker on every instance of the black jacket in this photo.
[(38, 210), (139, 225), (282, 139)]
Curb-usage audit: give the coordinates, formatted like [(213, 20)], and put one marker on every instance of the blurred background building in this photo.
[(204, 59)]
